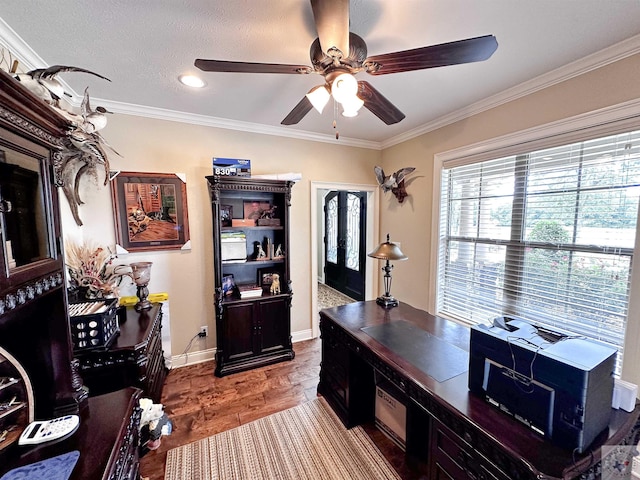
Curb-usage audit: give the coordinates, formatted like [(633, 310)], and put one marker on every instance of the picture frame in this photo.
[(254, 209), (228, 285), (150, 211), (226, 215), (265, 276)]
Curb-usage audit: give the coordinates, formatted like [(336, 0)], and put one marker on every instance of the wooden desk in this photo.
[(453, 432), (134, 359), (107, 440)]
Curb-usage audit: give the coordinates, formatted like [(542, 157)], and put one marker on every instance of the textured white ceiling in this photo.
[(144, 45)]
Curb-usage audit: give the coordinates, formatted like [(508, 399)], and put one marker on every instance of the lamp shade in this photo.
[(351, 106), (319, 96), (344, 87), (388, 251)]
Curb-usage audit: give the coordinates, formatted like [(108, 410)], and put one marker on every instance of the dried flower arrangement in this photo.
[(91, 270)]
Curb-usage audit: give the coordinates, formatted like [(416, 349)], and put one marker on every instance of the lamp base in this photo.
[(387, 302)]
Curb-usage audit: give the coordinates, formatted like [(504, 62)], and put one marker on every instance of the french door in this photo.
[(344, 242)]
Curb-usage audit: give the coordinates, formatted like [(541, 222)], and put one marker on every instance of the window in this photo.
[(546, 235)]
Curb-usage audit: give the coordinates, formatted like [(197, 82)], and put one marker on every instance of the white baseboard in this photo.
[(194, 358), (301, 336)]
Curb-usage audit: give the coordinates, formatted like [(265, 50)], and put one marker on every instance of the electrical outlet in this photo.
[(204, 331)]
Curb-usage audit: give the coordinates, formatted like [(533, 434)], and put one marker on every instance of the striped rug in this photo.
[(307, 442)]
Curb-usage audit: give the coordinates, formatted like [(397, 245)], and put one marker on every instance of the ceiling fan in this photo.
[(338, 55)]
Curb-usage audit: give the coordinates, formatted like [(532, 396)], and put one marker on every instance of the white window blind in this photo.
[(546, 235)]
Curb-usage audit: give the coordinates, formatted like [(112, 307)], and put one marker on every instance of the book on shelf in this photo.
[(236, 235), (250, 291)]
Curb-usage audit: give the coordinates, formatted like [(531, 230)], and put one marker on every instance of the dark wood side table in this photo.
[(107, 440), (453, 433), (134, 359)]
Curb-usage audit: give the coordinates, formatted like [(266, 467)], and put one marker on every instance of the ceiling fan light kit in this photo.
[(338, 55)]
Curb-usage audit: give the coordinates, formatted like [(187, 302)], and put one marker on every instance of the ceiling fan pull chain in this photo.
[(335, 121)]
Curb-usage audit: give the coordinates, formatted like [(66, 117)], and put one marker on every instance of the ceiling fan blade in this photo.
[(463, 51), (299, 111), (249, 67), (332, 24), (377, 104)]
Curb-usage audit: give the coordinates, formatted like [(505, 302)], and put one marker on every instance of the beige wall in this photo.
[(161, 146)]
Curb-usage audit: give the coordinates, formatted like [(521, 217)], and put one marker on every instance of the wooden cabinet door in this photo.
[(238, 331), (273, 324)]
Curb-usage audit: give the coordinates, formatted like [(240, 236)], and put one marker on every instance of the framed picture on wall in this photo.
[(150, 210)]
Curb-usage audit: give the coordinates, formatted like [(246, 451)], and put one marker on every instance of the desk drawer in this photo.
[(451, 457)]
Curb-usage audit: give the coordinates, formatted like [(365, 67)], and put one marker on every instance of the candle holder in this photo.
[(141, 272)]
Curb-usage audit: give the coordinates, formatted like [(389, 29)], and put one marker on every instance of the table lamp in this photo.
[(387, 251), (141, 275)]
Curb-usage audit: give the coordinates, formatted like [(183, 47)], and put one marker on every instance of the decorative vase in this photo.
[(141, 272)]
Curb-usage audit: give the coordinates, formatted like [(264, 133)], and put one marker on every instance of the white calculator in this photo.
[(47, 430)]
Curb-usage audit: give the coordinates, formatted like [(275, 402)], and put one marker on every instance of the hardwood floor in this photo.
[(200, 404)]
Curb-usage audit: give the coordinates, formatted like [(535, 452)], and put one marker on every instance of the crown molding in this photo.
[(216, 122), (10, 40), (619, 51)]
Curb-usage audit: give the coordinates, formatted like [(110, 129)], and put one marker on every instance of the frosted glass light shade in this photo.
[(352, 106), (344, 87), (318, 96)]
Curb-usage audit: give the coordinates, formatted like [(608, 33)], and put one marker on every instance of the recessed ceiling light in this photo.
[(191, 81)]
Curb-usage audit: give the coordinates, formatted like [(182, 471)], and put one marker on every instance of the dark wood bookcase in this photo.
[(250, 331)]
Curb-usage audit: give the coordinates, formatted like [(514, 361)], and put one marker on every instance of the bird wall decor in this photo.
[(44, 82), (393, 182), (84, 148)]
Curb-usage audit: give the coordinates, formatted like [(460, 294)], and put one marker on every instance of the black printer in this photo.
[(559, 385)]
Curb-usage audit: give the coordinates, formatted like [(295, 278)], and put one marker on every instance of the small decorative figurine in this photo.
[(275, 284), (260, 254)]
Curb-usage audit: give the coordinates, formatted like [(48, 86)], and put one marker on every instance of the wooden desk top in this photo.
[(136, 327), (541, 457), (101, 427)]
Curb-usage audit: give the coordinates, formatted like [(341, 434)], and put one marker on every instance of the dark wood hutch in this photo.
[(34, 327)]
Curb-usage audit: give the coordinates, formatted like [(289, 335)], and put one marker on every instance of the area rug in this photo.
[(307, 442), (328, 297)]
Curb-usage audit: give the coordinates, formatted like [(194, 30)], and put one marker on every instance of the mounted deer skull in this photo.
[(393, 182)]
